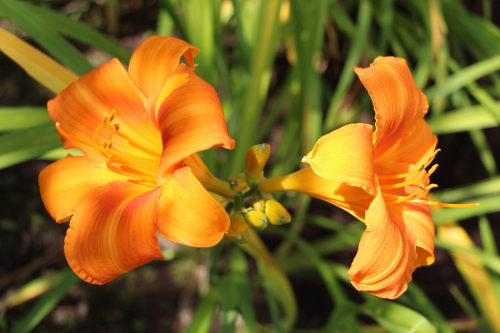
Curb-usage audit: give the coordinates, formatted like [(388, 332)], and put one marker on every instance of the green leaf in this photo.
[(427, 308), (80, 32), (50, 40), (483, 149), (256, 92), (355, 52), (179, 24), (463, 77), (228, 303), (205, 312), (277, 279), (200, 22), (272, 303), (241, 281), (396, 318), (23, 145), (45, 305), (480, 188), (462, 120), (59, 153), (486, 205), (22, 117)]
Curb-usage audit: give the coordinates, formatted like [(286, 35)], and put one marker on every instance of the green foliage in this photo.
[(287, 79)]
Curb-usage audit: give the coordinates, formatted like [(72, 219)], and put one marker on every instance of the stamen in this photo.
[(105, 122), (408, 197), (412, 180), (66, 135), (441, 204), (149, 166), (112, 115), (404, 175), (135, 176), (413, 195)]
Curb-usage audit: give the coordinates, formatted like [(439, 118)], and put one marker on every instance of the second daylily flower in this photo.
[(135, 129), (380, 177)]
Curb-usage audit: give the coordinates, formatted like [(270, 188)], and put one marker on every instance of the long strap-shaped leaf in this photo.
[(50, 40), (38, 65), (278, 282)]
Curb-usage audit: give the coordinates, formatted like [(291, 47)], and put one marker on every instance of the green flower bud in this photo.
[(259, 205), (276, 213), (237, 183), (255, 161), (238, 230), (256, 219)]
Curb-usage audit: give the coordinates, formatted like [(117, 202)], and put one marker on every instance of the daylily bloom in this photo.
[(135, 129), (379, 177)]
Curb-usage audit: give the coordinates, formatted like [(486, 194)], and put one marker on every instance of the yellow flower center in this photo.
[(416, 177), (141, 169)]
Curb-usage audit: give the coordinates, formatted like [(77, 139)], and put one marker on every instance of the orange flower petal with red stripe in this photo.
[(81, 108), (156, 59), (64, 183), (188, 213), (346, 156), (113, 231), (191, 120), (386, 253)]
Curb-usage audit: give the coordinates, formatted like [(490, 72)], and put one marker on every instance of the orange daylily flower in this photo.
[(379, 177), (135, 129)]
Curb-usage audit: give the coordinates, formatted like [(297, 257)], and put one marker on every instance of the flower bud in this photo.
[(259, 205), (256, 219), (276, 213), (237, 183), (238, 230), (255, 161)]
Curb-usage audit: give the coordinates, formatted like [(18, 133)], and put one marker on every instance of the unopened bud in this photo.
[(256, 219), (238, 230), (237, 183), (276, 213), (255, 161), (259, 205)]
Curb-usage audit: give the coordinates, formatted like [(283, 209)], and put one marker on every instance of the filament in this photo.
[(441, 204), (68, 136), (404, 175), (412, 180)]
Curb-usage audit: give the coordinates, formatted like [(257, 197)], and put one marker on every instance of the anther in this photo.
[(112, 115)]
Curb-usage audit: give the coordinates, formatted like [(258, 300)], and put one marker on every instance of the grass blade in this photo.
[(20, 146), (80, 32), (22, 117), (50, 40), (355, 52), (45, 305), (38, 65)]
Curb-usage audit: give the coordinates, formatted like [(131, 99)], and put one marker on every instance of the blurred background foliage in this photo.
[(284, 73)]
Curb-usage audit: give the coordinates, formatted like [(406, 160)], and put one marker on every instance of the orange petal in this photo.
[(113, 231), (156, 59), (418, 218), (188, 213), (191, 120), (350, 198), (398, 102), (415, 148), (64, 183), (345, 156), (81, 108), (386, 253)]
